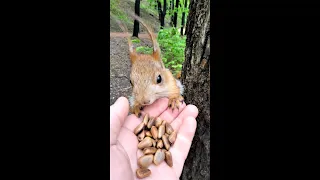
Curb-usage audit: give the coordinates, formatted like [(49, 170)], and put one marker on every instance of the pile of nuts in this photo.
[(155, 137)]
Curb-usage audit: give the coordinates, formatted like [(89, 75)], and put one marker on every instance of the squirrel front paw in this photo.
[(136, 110), (175, 102)]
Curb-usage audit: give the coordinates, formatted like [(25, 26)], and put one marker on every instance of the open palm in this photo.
[(124, 152)]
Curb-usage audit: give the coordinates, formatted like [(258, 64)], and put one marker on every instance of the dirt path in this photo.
[(120, 65), (123, 35), (119, 57)]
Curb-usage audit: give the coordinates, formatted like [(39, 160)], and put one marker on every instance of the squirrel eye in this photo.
[(131, 83), (159, 79)]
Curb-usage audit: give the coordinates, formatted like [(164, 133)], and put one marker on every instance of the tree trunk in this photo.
[(136, 23), (172, 16), (162, 12), (159, 10), (183, 17), (196, 79), (175, 19)]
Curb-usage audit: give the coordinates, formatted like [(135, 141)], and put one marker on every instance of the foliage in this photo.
[(135, 41), (152, 6), (115, 10), (171, 43), (172, 48)]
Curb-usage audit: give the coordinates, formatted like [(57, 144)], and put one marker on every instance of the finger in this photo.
[(170, 115), (129, 142), (189, 111), (181, 146), (156, 108), (118, 112)]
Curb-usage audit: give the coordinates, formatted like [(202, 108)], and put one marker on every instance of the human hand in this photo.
[(124, 152)]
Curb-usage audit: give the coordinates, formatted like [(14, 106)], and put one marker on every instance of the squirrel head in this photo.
[(149, 78)]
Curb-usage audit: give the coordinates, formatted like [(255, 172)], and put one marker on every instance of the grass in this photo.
[(172, 48)]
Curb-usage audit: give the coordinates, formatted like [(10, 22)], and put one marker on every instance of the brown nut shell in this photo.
[(168, 158), (145, 161), (158, 122), (146, 119), (141, 135), (169, 128), (161, 131), (138, 129), (143, 173), (172, 138), (166, 142), (158, 157), (146, 142), (163, 122), (154, 132), (159, 144), (149, 150), (148, 134), (150, 123), (154, 143)]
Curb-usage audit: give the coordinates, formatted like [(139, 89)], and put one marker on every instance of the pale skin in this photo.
[(123, 142)]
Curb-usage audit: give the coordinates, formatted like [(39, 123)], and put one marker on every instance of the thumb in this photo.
[(118, 113)]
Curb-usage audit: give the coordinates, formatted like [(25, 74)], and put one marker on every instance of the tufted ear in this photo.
[(132, 50), (156, 53), (156, 49), (133, 56)]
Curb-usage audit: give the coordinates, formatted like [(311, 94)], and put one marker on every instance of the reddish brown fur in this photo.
[(144, 73)]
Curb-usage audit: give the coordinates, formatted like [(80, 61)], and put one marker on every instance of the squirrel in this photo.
[(149, 78)]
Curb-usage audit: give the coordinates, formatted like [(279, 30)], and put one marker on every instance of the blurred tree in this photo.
[(175, 18), (183, 17), (162, 12), (136, 23)]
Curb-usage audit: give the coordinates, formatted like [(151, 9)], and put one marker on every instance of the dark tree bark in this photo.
[(172, 16), (175, 18), (196, 79), (183, 17), (159, 10), (162, 12), (136, 23)]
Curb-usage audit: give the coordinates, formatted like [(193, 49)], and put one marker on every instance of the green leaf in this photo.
[(136, 41), (172, 46)]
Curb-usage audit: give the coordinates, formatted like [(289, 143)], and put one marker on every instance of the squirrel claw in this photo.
[(181, 99), (175, 103), (178, 104), (136, 110)]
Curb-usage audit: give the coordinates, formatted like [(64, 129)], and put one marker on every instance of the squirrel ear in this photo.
[(133, 56), (156, 54), (156, 48), (132, 51)]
